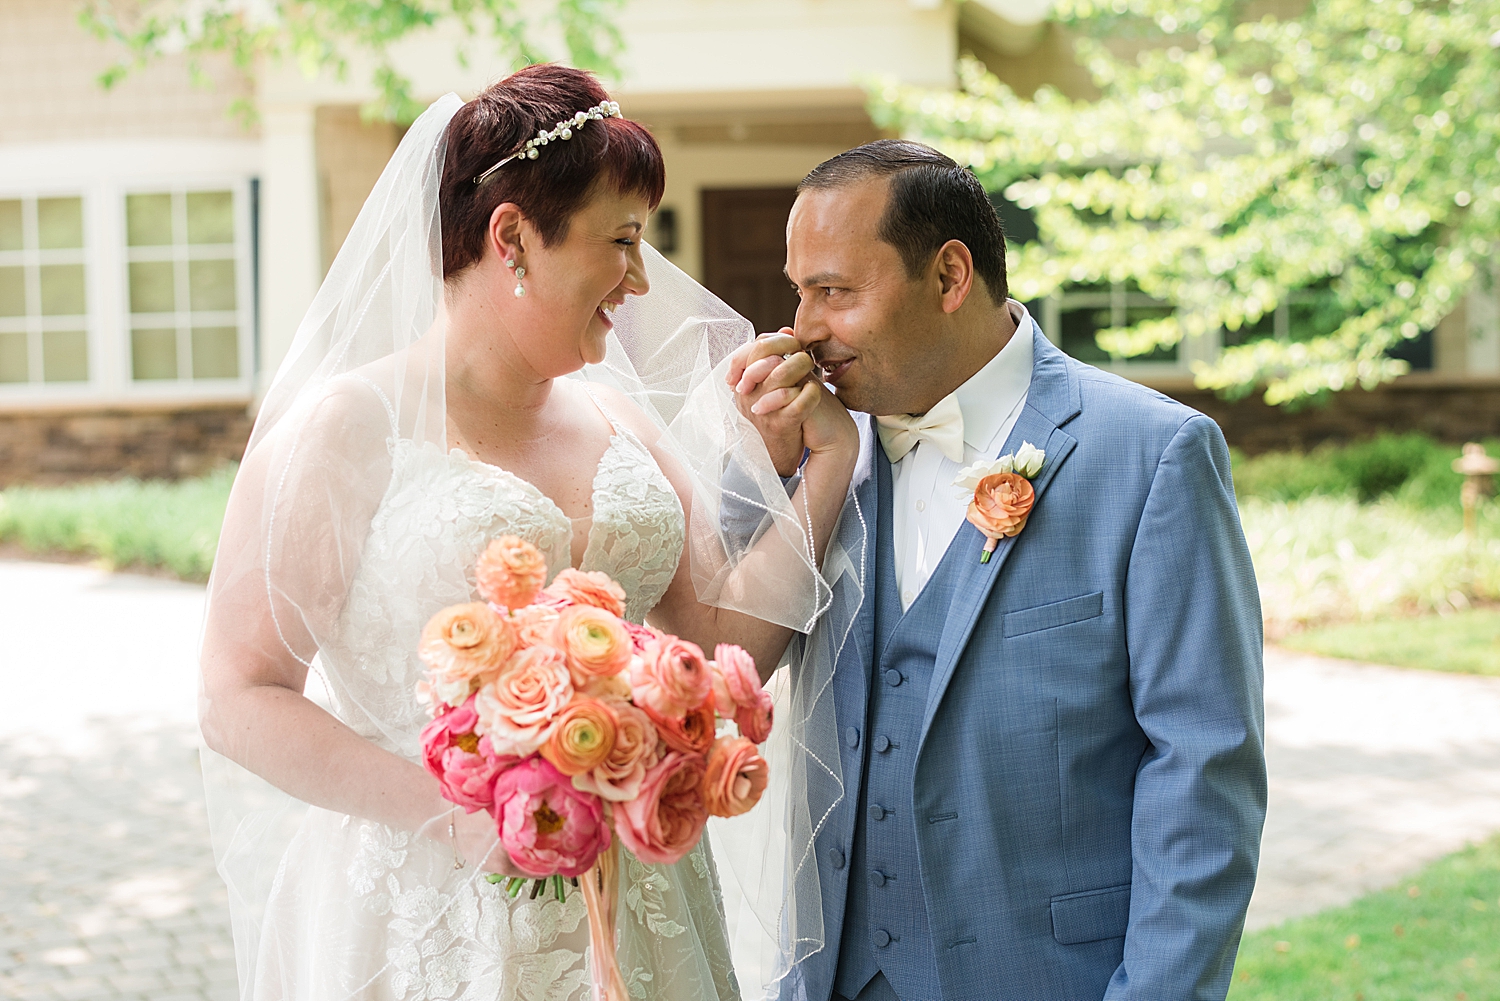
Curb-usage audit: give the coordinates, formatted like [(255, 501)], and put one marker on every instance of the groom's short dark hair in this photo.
[(933, 200)]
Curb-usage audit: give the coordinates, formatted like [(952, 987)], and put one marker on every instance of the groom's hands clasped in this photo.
[(776, 387)]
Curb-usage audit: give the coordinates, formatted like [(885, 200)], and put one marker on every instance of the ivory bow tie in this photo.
[(943, 425)]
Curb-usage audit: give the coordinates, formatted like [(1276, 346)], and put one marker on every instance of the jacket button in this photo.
[(882, 743), (893, 677), (877, 877), (836, 858), (851, 736), (882, 938), (877, 812)]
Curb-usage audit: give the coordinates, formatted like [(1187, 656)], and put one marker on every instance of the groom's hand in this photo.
[(776, 388)]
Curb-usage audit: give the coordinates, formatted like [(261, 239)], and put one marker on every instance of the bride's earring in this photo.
[(520, 273)]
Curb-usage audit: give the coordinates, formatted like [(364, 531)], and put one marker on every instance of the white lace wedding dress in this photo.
[(360, 910)]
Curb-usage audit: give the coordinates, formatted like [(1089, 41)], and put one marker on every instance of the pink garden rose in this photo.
[(670, 676), (735, 778), (463, 646), (462, 760), (534, 624), (547, 826), (642, 635), (736, 682), (664, 822), (755, 722), (619, 776), (517, 710), (594, 643), (588, 587)]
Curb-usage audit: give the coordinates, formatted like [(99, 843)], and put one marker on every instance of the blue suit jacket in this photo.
[(1090, 785)]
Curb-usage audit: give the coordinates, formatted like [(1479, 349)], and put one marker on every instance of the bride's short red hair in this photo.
[(551, 188)]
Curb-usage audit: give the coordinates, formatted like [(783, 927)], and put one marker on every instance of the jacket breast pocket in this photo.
[(1053, 615), (1091, 916)]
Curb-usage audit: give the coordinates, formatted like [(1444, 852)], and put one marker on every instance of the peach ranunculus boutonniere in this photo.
[(1003, 494)]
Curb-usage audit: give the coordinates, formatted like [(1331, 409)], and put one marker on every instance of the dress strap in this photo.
[(616, 425), (390, 411)]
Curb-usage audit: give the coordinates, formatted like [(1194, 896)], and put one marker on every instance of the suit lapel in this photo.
[(1051, 401)]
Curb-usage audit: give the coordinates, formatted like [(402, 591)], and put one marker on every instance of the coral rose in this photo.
[(461, 759), (692, 733), (588, 587), (547, 826), (1001, 505), (670, 676), (664, 822), (619, 776), (464, 646), (533, 625), (735, 777), (755, 721), (594, 642), (518, 709), (736, 682), (510, 572), (582, 737)]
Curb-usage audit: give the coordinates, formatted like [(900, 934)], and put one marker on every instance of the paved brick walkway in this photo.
[(107, 885)]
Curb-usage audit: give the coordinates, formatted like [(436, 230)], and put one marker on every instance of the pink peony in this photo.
[(755, 722), (588, 587), (736, 682), (619, 776), (510, 572), (735, 778), (463, 646), (670, 676), (518, 709), (692, 733), (664, 822), (593, 641), (463, 762), (547, 826)]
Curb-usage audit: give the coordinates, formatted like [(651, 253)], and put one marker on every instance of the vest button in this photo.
[(893, 677), (882, 743), (882, 938), (877, 877), (835, 858), (851, 736), (877, 812)]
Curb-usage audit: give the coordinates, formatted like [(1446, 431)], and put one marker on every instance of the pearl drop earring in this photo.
[(520, 289)]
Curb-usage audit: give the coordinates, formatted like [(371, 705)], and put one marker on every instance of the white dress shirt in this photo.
[(927, 509)]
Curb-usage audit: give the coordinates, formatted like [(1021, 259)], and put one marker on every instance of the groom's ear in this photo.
[(954, 267)]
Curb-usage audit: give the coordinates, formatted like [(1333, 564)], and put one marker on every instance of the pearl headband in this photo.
[(564, 130)]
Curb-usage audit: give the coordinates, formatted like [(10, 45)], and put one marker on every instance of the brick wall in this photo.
[(1450, 409), (50, 447)]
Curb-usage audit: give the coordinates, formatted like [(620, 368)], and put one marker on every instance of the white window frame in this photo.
[(32, 257), (1119, 299)]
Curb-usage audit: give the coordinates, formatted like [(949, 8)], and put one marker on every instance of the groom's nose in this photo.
[(808, 327)]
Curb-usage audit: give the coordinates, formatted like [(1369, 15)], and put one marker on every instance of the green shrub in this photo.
[(174, 526), (1410, 467)]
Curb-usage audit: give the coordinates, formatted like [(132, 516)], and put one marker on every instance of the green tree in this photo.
[(1344, 159), (323, 35)]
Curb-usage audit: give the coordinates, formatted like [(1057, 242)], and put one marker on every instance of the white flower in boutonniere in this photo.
[(1003, 494)]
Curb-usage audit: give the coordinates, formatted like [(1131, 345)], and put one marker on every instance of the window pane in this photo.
[(10, 224), (59, 223), (65, 356), (211, 284), (148, 220), (13, 358), (12, 291), (62, 290), (210, 217), (151, 287), (216, 353), (1077, 335), (153, 354), (1135, 314)]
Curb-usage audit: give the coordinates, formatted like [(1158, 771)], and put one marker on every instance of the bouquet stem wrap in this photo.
[(600, 885)]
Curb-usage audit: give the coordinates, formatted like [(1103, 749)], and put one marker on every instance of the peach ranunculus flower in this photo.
[(589, 587), (755, 721), (510, 572), (670, 676), (534, 624), (582, 737), (736, 777), (692, 733), (619, 776), (464, 646), (664, 822), (736, 681), (594, 642), (518, 709), (1002, 503)]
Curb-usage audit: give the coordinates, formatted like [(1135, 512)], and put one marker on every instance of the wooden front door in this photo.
[(744, 252)]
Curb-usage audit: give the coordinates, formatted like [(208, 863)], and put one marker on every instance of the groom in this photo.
[(1053, 774)]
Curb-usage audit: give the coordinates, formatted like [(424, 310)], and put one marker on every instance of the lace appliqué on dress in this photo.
[(639, 527)]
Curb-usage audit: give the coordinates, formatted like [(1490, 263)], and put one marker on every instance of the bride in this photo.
[(456, 379)]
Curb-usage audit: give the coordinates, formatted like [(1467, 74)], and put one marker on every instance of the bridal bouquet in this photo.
[(573, 727)]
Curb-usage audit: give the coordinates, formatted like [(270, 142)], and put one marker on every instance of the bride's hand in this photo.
[(777, 389), (476, 842)]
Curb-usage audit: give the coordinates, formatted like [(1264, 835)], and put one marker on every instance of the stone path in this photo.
[(107, 884)]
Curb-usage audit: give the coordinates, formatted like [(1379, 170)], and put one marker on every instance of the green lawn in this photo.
[(1465, 642), (1434, 937)]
